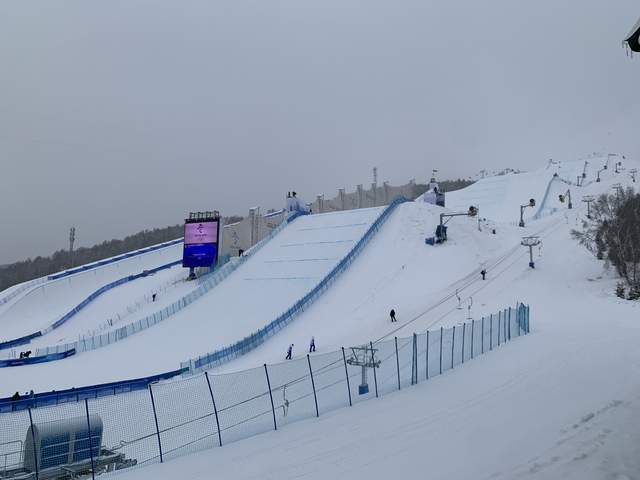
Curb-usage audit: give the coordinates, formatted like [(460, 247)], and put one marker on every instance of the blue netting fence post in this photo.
[(453, 343), (155, 417), (441, 332), (397, 362), (33, 440), (427, 369), (375, 376), (509, 323), (273, 408), (346, 372), (215, 409), (482, 338), (313, 385), (499, 318), (93, 467), (464, 334)]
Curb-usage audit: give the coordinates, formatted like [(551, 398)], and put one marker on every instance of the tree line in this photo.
[(25, 270), (612, 234)]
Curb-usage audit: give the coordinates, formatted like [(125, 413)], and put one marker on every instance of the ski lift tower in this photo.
[(588, 199), (532, 203), (531, 242), (364, 356)]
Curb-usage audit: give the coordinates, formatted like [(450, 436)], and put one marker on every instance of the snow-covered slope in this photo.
[(562, 402), (44, 304)]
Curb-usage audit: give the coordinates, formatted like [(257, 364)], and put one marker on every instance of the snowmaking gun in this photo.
[(441, 229)]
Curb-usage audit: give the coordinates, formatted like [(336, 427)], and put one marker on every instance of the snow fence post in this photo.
[(453, 344), (504, 326), (441, 331), (33, 440), (427, 355), (313, 385), (482, 338), (215, 410), (397, 362), (375, 377), (346, 372), (498, 328), (491, 332), (273, 408), (472, 335), (93, 473), (414, 364), (464, 328), (509, 323), (155, 417)]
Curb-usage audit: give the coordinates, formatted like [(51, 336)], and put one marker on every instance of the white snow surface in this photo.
[(562, 402)]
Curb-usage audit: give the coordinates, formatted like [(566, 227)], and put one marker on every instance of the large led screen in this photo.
[(200, 244)]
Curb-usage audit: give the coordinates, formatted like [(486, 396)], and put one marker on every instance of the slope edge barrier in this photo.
[(172, 419)]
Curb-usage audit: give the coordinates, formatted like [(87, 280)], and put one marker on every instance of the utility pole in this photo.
[(72, 239)]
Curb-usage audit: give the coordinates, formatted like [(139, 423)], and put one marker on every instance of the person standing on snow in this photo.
[(312, 345), (289, 352), (392, 314), (483, 273)]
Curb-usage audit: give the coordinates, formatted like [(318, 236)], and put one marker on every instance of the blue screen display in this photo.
[(200, 255)]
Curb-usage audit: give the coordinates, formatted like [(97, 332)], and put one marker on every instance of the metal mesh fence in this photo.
[(95, 434)]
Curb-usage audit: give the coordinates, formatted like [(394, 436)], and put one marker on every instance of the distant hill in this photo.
[(18, 272)]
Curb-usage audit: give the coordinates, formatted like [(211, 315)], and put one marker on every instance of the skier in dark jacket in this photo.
[(289, 352), (312, 345), (392, 314), (483, 273)]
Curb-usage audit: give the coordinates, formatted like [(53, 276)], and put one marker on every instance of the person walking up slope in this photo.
[(289, 352), (392, 314), (312, 345)]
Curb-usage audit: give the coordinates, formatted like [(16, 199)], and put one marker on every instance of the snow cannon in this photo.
[(532, 203)]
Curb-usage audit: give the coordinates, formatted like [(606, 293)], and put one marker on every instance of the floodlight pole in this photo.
[(72, 239)]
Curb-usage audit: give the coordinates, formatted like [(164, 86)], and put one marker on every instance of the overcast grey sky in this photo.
[(120, 115)]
